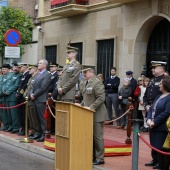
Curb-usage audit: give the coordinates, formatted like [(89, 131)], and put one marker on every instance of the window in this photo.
[(51, 53), (80, 52), (105, 56)]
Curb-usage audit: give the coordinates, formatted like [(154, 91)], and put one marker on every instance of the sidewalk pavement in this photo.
[(111, 163)]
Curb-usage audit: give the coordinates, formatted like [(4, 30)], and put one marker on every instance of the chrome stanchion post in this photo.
[(26, 139), (135, 148)]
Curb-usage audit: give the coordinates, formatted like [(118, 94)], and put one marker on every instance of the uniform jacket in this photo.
[(68, 80), (40, 86), (6, 77), (94, 97), (11, 86), (112, 85), (162, 113), (54, 79), (1, 81), (152, 90), (29, 86), (23, 84), (133, 84)]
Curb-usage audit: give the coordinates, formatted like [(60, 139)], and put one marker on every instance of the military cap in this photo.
[(22, 64), (129, 72), (53, 64), (87, 67), (15, 63), (71, 49), (59, 68), (6, 66), (30, 66), (158, 63)]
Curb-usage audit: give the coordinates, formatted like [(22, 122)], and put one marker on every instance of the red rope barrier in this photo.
[(157, 150), (11, 107)]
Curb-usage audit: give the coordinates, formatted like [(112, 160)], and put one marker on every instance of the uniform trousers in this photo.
[(1, 114), (39, 108), (32, 117), (12, 114), (21, 111), (98, 141), (112, 100)]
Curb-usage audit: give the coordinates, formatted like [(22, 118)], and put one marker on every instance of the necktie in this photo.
[(86, 83), (38, 76)]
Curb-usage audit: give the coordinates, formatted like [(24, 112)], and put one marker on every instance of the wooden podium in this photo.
[(74, 137)]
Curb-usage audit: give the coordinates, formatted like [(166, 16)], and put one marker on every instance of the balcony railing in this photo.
[(60, 3)]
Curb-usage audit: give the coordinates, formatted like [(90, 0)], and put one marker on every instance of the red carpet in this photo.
[(112, 148)]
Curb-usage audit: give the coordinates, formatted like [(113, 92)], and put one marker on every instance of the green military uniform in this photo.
[(94, 97), (9, 89), (1, 98)]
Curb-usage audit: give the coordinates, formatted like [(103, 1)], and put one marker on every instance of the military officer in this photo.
[(67, 82), (94, 97), (33, 119), (152, 90), (6, 76), (9, 90), (25, 76)]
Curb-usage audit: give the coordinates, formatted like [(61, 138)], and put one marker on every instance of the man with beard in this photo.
[(111, 89), (152, 91)]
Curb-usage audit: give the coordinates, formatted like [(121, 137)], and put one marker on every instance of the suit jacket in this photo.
[(94, 97), (40, 86), (67, 81)]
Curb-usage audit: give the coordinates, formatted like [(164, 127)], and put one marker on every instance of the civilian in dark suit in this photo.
[(133, 82), (39, 94), (157, 116), (111, 89)]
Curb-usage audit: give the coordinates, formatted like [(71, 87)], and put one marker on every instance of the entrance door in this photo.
[(159, 45)]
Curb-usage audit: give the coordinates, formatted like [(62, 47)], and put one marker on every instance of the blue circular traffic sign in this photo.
[(12, 37)]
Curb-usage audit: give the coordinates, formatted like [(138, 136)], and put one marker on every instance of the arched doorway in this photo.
[(158, 48)]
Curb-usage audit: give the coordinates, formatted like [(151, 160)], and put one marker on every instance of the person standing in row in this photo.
[(19, 95), (152, 91), (38, 95), (32, 117), (67, 81), (9, 90), (1, 101), (6, 76), (111, 89), (94, 97)]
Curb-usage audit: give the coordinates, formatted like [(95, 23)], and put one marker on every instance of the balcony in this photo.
[(122, 1), (66, 8)]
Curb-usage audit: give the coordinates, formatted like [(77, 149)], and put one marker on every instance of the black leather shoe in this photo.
[(15, 131), (41, 139), (3, 129), (98, 162), (31, 134), (8, 130), (156, 166), (151, 163), (21, 133), (36, 136)]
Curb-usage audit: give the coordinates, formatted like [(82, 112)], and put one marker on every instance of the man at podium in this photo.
[(94, 97), (67, 82)]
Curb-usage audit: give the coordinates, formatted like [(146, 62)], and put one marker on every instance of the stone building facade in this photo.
[(129, 23)]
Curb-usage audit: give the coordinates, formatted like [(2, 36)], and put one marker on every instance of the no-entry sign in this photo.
[(12, 37)]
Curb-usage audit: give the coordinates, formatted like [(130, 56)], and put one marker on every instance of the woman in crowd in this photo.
[(157, 117), (123, 94), (144, 128)]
